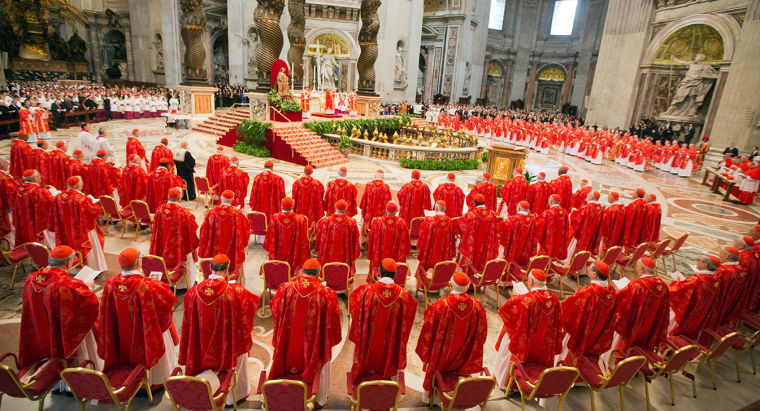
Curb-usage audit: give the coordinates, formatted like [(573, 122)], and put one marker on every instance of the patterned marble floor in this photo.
[(687, 207)]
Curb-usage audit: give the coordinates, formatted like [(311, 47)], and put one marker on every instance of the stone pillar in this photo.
[(267, 18), (192, 25), (532, 85), (235, 34), (93, 48), (592, 12), (170, 40), (297, 42), (525, 27), (368, 45), (567, 86)]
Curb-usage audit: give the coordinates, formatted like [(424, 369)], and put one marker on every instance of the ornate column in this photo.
[(368, 45), (192, 23), (267, 18), (297, 42)]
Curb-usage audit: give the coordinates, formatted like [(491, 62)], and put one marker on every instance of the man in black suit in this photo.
[(107, 107), (57, 109), (754, 154), (689, 133), (731, 150)]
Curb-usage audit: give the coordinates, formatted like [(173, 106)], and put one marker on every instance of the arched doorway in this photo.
[(115, 54), (494, 83), (551, 80), (330, 61), (220, 62)]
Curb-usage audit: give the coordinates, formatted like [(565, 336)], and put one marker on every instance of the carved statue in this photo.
[(192, 24), (467, 76), (59, 50), (400, 74), (693, 88), (297, 40), (283, 84), (113, 20), (77, 47), (158, 49), (252, 43), (327, 70), (267, 18), (368, 45)]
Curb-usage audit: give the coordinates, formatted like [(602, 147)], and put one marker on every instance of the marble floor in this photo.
[(687, 207)]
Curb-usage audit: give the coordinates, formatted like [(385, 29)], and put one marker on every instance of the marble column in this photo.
[(235, 35), (267, 18), (297, 42), (192, 20), (525, 27), (368, 45), (93, 49), (170, 39)]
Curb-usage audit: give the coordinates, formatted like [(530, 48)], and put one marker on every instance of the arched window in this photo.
[(563, 18)]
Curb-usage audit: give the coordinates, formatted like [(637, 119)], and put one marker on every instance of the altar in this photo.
[(503, 160)]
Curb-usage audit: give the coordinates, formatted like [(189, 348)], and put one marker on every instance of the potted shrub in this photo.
[(345, 145)]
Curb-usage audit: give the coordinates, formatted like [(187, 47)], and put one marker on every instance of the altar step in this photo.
[(221, 124), (309, 145)]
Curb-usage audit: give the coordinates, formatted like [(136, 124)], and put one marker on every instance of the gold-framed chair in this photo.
[(338, 277), (379, 394), (16, 258), (493, 274), (140, 215), (153, 263), (274, 273), (45, 377), (186, 391), (537, 381), (598, 380), (88, 384), (574, 267), (466, 392), (283, 394), (442, 273)]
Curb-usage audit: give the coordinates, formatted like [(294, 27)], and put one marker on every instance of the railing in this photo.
[(395, 152)]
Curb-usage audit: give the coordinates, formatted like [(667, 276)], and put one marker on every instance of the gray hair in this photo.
[(101, 130), (219, 267), (59, 262), (710, 265), (32, 177)]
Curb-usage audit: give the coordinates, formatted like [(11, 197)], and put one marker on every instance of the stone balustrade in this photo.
[(395, 152)]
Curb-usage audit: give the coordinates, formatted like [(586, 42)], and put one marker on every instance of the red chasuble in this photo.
[(588, 316), (452, 337), (134, 146), (41, 163), (512, 192), (31, 211), (650, 231), (532, 322), (225, 230), (134, 185), (173, 234), (159, 183), (8, 187), (306, 326), (635, 214), (160, 151), (235, 180), (641, 314), (388, 238), (216, 163), (538, 196), (134, 313), (750, 262), (519, 237), (489, 192), (453, 196), (436, 242), (78, 168), (102, 178), (413, 199), (267, 193), (612, 228), (287, 239), (693, 302), (340, 189), (73, 216), (563, 186), (337, 240), (376, 196), (580, 196), (585, 224), (381, 320), (216, 326), (733, 301), (480, 239), (309, 196), (22, 157), (553, 232), (57, 312), (58, 169)]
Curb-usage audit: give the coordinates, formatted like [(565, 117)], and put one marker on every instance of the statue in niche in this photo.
[(467, 76), (158, 49), (400, 75), (693, 88), (327, 70), (252, 41), (77, 47), (59, 50)]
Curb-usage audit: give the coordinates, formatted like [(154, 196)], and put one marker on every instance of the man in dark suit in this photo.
[(731, 150), (754, 154), (689, 133), (57, 109)]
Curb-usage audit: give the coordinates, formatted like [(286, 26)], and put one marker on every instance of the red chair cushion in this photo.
[(45, 379), (18, 254), (377, 397)]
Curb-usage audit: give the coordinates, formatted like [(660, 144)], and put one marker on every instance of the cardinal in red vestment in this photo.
[(585, 223), (22, 156), (225, 230), (76, 166), (388, 238), (134, 182), (414, 198), (58, 166), (553, 229), (267, 192), (563, 187), (159, 152), (102, 178), (733, 299), (173, 236), (641, 314), (750, 262), (41, 161), (538, 194), (341, 189), (487, 189), (512, 192), (134, 146), (612, 228), (382, 314), (32, 208), (518, 235), (309, 196), (532, 330), (216, 163), (236, 180), (287, 237), (437, 241), (160, 181), (650, 231), (8, 187), (452, 195), (74, 219), (376, 196), (453, 333), (337, 238), (635, 214), (57, 313), (588, 316), (693, 299), (580, 196), (306, 326), (479, 241), (135, 326), (216, 326)]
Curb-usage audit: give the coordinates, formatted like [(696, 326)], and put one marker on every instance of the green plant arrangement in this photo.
[(528, 177), (485, 156), (388, 125), (284, 104), (444, 165), (251, 150), (345, 142), (253, 132)]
